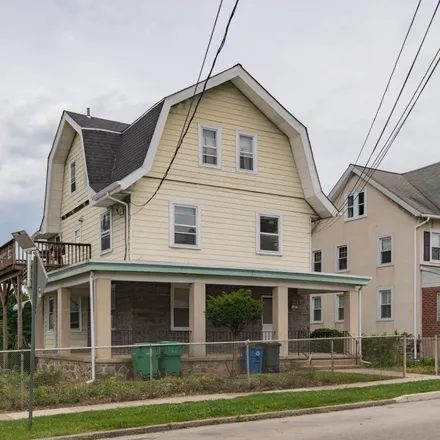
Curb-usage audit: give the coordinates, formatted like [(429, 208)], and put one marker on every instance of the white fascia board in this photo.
[(341, 183), (272, 109), (389, 194)]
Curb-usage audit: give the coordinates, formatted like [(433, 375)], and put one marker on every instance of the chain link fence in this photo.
[(130, 372)]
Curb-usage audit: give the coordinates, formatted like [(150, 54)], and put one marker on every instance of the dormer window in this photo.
[(72, 177), (356, 206)]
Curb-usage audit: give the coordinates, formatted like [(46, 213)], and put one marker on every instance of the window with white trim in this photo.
[(268, 234), (106, 231), (385, 304), (435, 246), (316, 309), (356, 205), (72, 177), (179, 308), (50, 313), (246, 152), (317, 261), (75, 313), (340, 307), (385, 250), (185, 227), (210, 146), (342, 258), (438, 306), (77, 235)]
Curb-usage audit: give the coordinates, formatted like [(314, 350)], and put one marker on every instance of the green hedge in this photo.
[(325, 346), (383, 351)]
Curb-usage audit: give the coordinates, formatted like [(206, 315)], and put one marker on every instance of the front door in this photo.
[(266, 318)]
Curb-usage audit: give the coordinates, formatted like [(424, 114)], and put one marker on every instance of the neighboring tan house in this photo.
[(389, 229), (235, 210)]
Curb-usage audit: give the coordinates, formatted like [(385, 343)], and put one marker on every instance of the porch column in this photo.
[(280, 318), (103, 320), (197, 319), (63, 319), (39, 326), (351, 312)]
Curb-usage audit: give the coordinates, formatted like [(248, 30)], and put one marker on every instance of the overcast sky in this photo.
[(326, 61)]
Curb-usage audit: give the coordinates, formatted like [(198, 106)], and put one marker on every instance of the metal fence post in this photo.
[(151, 362), (436, 355), (22, 379), (404, 356), (332, 364), (248, 369)]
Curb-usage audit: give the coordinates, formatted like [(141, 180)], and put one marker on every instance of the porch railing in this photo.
[(53, 253)]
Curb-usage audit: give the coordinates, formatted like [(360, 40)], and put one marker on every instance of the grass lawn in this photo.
[(159, 414)]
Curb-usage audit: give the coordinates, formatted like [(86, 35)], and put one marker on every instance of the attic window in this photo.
[(246, 152), (356, 206), (72, 177), (210, 146)]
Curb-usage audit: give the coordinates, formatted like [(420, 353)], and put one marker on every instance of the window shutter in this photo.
[(426, 246)]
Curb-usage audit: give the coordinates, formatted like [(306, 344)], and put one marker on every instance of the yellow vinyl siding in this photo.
[(228, 227), (227, 108), (229, 200), (70, 201), (88, 218)]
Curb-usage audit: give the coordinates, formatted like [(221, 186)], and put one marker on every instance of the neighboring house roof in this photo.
[(416, 191), (119, 154)]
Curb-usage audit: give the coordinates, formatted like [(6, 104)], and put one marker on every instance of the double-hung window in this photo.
[(72, 177), (435, 246), (340, 307), (106, 231), (317, 261), (356, 205), (50, 313), (184, 226), (385, 251), (342, 258), (385, 304), (75, 313), (247, 159), (269, 234), (210, 146), (438, 306), (179, 308), (316, 309)]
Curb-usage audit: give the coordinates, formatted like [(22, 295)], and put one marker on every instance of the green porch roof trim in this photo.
[(148, 267)]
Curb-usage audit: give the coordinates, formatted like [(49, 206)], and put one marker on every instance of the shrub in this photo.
[(383, 351), (325, 346)]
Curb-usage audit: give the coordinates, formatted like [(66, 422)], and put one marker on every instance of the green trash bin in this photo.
[(140, 359), (169, 358)]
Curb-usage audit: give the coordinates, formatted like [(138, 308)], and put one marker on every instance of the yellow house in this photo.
[(134, 255)]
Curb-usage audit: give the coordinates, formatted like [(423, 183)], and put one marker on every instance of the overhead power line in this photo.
[(186, 129)]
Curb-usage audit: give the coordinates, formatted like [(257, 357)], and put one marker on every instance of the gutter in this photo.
[(112, 188)]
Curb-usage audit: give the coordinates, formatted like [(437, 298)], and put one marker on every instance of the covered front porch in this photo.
[(126, 303)]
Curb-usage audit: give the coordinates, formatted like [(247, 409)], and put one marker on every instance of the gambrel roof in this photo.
[(118, 154)]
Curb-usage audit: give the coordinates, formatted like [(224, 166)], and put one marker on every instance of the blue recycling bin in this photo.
[(255, 359)]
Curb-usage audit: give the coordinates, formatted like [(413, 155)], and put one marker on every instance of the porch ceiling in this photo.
[(177, 273)]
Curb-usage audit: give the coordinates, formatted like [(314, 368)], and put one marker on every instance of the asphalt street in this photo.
[(409, 421)]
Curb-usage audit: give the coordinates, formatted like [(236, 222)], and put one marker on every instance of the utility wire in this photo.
[(360, 177), (182, 137), (400, 123)]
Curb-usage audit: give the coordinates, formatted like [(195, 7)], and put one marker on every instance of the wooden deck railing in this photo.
[(53, 253)]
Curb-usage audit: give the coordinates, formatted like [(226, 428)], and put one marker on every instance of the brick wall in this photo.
[(145, 307), (430, 325)]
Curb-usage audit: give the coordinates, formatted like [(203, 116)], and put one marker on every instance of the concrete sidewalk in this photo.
[(199, 398)]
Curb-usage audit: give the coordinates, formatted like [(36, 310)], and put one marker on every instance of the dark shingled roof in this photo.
[(418, 188), (112, 156), (104, 124)]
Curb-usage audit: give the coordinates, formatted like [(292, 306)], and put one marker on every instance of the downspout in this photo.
[(360, 320), (92, 327), (416, 272), (126, 256)]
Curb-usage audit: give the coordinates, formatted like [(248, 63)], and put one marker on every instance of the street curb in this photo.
[(418, 397), (224, 420)]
